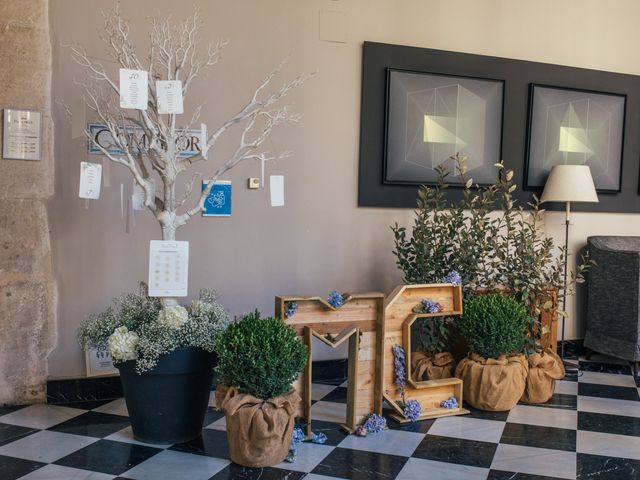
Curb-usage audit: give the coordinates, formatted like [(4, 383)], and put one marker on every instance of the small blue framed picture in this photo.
[(218, 203)]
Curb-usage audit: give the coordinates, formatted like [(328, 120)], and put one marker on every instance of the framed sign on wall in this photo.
[(22, 134)]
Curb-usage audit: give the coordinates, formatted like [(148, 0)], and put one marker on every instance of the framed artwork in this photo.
[(432, 117), (575, 127), (99, 363)]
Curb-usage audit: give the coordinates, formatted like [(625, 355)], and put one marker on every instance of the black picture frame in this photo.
[(606, 161), (398, 170)]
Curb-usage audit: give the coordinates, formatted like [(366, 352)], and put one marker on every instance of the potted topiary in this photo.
[(545, 366), (258, 359), (495, 371), (165, 358)]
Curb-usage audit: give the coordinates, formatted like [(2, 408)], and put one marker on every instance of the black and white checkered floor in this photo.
[(589, 430)]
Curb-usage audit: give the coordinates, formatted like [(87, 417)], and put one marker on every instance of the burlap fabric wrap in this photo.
[(259, 431), (423, 367), (494, 384), (544, 370)]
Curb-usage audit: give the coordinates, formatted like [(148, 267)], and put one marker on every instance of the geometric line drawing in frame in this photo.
[(575, 127), (432, 117)]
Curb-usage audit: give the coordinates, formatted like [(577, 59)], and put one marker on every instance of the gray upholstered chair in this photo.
[(613, 310)]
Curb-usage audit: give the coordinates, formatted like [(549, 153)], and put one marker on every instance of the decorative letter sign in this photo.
[(168, 268)]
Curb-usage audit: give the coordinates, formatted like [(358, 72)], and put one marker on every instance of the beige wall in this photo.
[(27, 290), (320, 240)]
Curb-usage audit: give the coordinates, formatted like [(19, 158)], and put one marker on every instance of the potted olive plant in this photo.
[(165, 358), (258, 361), (432, 360), (495, 371)]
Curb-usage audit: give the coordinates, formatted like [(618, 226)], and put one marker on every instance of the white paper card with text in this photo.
[(169, 94), (276, 183), (134, 89), (168, 268), (90, 180)]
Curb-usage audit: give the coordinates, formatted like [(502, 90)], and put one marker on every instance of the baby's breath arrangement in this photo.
[(138, 328)]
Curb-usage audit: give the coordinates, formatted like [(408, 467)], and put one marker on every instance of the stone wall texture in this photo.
[(27, 288)]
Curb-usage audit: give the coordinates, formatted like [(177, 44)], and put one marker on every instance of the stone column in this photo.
[(27, 288)]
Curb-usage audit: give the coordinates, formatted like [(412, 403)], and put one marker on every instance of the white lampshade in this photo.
[(569, 183)]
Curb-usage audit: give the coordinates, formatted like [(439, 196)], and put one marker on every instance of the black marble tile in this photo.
[(415, 427), (92, 424), (237, 472), (485, 415), (597, 467), (330, 370), (11, 433), (334, 433), (502, 475), (559, 400), (212, 443), (588, 366), (83, 389), (211, 416), (456, 450), (85, 405), (110, 457), (334, 381), (360, 465), (608, 391), (616, 424), (6, 409), (13, 468), (337, 395), (539, 436)]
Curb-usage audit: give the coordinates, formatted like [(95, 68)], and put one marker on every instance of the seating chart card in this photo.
[(169, 93), (168, 268), (90, 180), (134, 89)]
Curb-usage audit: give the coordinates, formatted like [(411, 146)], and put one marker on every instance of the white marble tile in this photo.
[(543, 416), (220, 424), (171, 465), (308, 457), (46, 446), (420, 469), (319, 390), (609, 406), (58, 472), (329, 411), (126, 435), (535, 461), (117, 407), (565, 387), (41, 416), (392, 442), (607, 444), (607, 379), (468, 428), (345, 384)]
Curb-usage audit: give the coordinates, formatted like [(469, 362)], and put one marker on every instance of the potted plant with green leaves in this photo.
[(432, 360), (165, 358), (495, 371), (258, 360)]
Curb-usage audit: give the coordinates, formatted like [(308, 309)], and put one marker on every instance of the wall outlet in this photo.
[(253, 183)]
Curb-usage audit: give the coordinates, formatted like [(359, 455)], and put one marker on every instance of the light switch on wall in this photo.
[(333, 26)]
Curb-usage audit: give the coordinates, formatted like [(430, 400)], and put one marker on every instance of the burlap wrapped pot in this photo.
[(424, 367), (544, 369), (494, 384), (259, 431)]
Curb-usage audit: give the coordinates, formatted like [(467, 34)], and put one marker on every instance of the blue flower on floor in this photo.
[(375, 423), (412, 410), (319, 438), (290, 309), (452, 277), (296, 438), (335, 299), (451, 402)]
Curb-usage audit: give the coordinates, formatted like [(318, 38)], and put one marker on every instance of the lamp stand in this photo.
[(568, 366)]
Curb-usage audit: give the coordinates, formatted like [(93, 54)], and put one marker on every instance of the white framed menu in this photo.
[(22, 137)]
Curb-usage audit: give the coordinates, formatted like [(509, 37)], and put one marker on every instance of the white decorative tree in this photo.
[(174, 55)]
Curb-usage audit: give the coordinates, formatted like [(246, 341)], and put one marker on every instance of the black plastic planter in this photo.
[(167, 404)]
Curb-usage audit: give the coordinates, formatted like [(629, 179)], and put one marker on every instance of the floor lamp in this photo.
[(568, 183)]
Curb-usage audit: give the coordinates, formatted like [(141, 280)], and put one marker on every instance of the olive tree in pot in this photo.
[(165, 358), (258, 359), (495, 371)]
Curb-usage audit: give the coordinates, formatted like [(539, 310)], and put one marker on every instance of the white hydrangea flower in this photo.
[(173, 317), (122, 344)]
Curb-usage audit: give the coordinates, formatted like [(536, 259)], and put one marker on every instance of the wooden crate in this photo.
[(358, 321), (398, 318)]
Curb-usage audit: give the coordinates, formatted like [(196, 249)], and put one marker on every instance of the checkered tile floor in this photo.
[(589, 430)]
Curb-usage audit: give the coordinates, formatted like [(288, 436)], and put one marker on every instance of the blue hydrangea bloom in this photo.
[(452, 277), (451, 402), (320, 438), (399, 366), (430, 306), (290, 309), (375, 423), (296, 438), (412, 410), (335, 299)]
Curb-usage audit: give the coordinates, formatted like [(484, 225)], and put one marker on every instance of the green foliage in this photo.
[(139, 313), (486, 237), (261, 357), (434, 333), (494, 325)]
